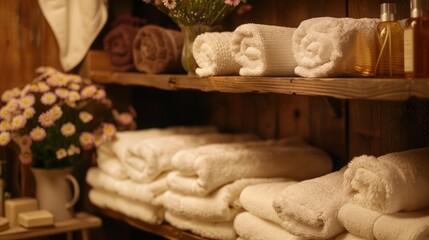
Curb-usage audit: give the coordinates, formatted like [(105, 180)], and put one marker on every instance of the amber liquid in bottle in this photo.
[(390, 50), (416, 51)]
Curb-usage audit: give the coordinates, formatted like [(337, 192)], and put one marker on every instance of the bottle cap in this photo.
[(387, 12), (419, 8)]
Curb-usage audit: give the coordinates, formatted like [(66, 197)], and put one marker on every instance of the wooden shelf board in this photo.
[(343, 88), (164, 230)]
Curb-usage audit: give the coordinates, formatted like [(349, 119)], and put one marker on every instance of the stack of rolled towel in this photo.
[(206, 182)]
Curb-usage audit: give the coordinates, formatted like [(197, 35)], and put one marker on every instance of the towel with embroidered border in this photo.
[(263, 50), (328, 47), (390, 183), (212, 53)]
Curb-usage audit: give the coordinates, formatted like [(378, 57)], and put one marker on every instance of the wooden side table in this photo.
[(81, 222)]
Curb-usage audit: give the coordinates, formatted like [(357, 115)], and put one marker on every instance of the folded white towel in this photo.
[(220, 206), (250, 227), (151, 157), (75, 24), (258, 199), (327, 47), (370, 224), (390, 183), (201, 170), (212, 52), (135, 209), (109, 163), (309, 208), (212, 230), (348, 236), (263, 50), (142, 192)]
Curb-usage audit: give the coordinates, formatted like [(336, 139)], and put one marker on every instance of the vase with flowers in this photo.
[(195, 17), (51, 122)]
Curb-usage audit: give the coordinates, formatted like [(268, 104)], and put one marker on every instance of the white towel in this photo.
[(142, 192), (390, 183), (151, 157), (109, 163), (212, 52), (309, 208), (135, 209), (370, 224), (220, 206), (201, 170), (250, 227), (327, 47), (258, 199), (212, 230), (75, 24), (263, 50), (348, 236)]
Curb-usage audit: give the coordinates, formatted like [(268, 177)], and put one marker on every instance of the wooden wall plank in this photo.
[(294, 117)]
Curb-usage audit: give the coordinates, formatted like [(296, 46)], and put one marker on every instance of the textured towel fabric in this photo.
[(75, 25), (348, 236), (201, 170), (309, 208), (250, 227), (109, 163), (390, 183), (147, 193), (212, 52), (151, 157), (327, 47), (118, 44), (157, 50), (135, 209), (370, 224), (263, 50), (212, 230), (220, 206), (258, 199)]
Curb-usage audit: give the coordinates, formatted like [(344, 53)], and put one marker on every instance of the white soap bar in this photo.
[(4, 224), (15, 206), (38, 218)]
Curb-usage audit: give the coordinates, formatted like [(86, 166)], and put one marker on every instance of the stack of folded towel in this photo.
[(205, 185)]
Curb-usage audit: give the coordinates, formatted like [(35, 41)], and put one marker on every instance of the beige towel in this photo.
[(75, 24), (309, 208), (135, 209), (263, 50), (370, 224), (258, 199), (201, 170), (220, 206), (348, 236), (151, 157), (212, 52), (328, 47), (212, 230), (390, 183), (118, 44), (142, 192), (250, 227)]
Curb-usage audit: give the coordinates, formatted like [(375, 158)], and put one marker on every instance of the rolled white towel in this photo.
[(109, 163), (258, 199), (143, 192), (327, 47), (220, 206), (151, 157), (250, 227), (309, 208), (212, 52), (201, 170), (135, 209), (370, 224), (263, 50), (212, 230), (390, 183), (348, 236)]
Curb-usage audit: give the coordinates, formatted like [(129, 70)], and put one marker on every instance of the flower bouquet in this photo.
[(195, 17), (57, 116)]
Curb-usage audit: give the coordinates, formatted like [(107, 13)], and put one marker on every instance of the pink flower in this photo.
[(232, 2), (56, 112), (38, 134), (48, 98), (18, 122), (4, 126), (85, 116), (46, 119), (4, 138), (86, 139), (26, 157), (123, 119), (27, 101), (61, 153), (29, 112), (170, 4), (54, 80), (74, 86), (88, 91), (68, 129), (7, 95), (5, 113), (24, 142), (43, 87), (109, 131), (72, 150), (75, 78), (73, 96), (62, 93), (100, 94)]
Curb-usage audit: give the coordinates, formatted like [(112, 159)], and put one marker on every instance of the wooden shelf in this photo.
[(164, 230), (97, 69)]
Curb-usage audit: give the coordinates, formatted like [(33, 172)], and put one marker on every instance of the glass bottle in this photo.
[(416, 40), (389, 44)]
